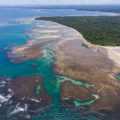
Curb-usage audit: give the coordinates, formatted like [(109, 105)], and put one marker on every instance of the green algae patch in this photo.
[(37, 90), (118, 76), (62, 79), (77, 103)]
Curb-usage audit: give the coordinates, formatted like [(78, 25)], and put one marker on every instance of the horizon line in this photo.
[(55, 4)]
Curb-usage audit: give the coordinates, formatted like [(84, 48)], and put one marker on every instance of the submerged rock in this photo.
[(27, 88), (24, 94)]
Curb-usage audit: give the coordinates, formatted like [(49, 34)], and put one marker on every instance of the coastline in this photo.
[(113, 52)]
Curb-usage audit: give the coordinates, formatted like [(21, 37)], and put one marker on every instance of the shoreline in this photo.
[(113, 52)]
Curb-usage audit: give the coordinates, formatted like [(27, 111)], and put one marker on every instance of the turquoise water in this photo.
[(13, 35)]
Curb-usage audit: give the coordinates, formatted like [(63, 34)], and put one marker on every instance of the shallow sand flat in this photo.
[(47, 31)]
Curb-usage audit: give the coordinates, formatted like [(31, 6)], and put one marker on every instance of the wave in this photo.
[(17, 109)]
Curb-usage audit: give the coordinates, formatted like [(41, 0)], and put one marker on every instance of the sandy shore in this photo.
[(114, 54)]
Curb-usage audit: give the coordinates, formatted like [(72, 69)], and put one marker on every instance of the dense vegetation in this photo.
[(97, 30)]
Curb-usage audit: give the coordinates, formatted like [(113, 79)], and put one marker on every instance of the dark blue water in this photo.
[(15, 13)]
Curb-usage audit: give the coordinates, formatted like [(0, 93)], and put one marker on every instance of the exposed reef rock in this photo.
[(91, 64), (29, 88), (71, 92), (21, 54)]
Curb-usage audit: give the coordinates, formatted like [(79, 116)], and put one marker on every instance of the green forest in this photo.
[(101, 30)]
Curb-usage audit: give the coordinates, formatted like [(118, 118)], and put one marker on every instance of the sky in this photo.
[(40, 2)]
